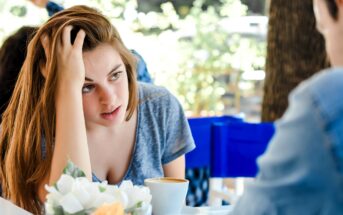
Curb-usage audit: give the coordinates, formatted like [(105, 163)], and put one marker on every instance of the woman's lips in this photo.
[(111, 115)]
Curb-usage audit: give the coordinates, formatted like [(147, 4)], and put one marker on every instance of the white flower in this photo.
[(83, 191), (136, 194), (70, 203), (120, 195), (80, 195), (64, 184), (75, 194)]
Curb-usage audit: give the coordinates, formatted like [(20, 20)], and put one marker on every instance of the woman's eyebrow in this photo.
[(112, 70), (88, 79)]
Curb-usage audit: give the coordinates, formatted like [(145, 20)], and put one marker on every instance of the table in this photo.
[(217, 210), (8, 208)]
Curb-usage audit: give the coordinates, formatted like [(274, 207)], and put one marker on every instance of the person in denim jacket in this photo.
[(301, 171)]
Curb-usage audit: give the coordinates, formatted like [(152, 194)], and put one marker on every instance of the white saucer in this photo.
[(219, 210)]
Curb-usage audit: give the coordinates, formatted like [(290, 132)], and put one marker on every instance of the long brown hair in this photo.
[(28, 127)]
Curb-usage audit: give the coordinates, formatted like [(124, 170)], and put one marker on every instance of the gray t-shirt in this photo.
[(162, 134)]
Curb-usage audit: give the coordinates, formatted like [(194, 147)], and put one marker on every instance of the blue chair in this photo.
[(235, 148), (198, 161), (201, 129)]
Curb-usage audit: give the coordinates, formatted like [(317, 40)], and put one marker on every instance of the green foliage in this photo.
[(223, 55), (19, 11), (208, 54), (72, 170), (196, 58)]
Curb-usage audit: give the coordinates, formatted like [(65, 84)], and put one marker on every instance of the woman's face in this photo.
[(105, 91), (331, 29)]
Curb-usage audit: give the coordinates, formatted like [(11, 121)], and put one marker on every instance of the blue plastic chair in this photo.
[(226, 147), (236, 146), (201, 129), (198, 161)]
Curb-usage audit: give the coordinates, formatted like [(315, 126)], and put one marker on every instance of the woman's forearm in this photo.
[(71, 137), (175, 168)]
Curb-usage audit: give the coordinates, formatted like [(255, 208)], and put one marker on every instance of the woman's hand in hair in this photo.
[(46, 46), (71, 136), (70, 65)]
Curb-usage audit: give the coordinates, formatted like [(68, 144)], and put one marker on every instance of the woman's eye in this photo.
[(115, 76), (87, 88)]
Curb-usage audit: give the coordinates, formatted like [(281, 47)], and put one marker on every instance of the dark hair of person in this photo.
[(12, 56)]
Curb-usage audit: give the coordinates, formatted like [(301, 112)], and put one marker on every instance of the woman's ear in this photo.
[(45, 43)]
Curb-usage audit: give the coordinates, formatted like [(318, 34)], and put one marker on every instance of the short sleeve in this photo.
[(179, 139)]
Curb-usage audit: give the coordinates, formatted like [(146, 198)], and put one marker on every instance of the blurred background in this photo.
[(209, 53)]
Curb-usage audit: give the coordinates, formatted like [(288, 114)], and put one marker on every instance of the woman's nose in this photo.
[(107, 96)]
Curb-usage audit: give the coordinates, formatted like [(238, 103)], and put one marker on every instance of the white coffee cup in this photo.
[(168, 195)]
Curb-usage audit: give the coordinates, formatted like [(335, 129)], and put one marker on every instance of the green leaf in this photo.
[(19, 11), (132, 210), (72, 170), (102, 189), (58, 210)]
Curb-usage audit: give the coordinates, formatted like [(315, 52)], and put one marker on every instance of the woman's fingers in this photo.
[(66, 42), (70, 59), (45, 43), (79, 39), (66, 38)]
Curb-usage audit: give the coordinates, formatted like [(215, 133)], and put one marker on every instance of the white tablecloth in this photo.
[(218, 210), (8, 208)]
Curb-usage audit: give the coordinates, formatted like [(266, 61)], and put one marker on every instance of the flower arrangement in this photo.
[(74, 194)]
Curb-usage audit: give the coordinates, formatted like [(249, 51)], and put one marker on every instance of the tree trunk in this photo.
[(255, 6), (295, 51)]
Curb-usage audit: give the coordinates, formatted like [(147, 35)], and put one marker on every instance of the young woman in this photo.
[(302, 169), (77, 98)]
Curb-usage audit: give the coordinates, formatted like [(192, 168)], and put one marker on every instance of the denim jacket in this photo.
[(301, 170)]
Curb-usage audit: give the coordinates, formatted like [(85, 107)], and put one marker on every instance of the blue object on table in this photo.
[(198, 161), (236, 146), (201, 129)]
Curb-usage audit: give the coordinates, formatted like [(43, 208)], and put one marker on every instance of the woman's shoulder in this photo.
[(158, 101), (152, 93)]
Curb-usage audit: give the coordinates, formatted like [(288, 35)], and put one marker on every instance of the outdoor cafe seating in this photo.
[(226, 147)]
